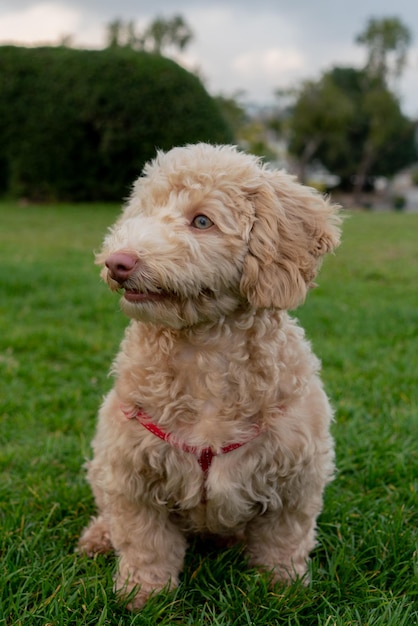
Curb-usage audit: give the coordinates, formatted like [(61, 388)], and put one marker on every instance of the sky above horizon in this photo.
[(254, 47)]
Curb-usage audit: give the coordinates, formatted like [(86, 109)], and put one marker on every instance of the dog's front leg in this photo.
[(280, 542), (150, 548)]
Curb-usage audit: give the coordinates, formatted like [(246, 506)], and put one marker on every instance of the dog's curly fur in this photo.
[(213, 357)]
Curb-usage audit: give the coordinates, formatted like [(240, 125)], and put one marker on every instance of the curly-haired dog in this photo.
[(218, 422)]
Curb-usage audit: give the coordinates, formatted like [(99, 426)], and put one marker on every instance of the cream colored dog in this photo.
[(218, 422)]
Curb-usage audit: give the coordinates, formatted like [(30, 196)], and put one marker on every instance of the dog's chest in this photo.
[(202, 374), (207, 392), (207, 386), (233, 491)]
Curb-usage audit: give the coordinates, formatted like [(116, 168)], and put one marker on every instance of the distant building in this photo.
[(404, 187)]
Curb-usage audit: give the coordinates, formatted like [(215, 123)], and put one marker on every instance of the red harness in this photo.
[(204, 456)]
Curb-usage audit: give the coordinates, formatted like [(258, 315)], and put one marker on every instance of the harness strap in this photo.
[(204, 456)]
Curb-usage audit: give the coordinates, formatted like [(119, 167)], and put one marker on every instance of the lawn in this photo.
[(59, 329)]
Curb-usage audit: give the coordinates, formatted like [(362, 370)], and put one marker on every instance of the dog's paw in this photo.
[(288, 575), (284, 571), (95, 539), (135, 587)]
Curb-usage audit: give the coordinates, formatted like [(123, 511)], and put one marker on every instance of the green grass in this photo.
[(59, 329)]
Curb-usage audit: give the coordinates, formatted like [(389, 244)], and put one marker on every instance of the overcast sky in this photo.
[(255, 46)]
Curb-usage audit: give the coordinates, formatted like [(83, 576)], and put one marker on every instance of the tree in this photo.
[(159, 36), (387, 132), (79, 124), (233, 111), (352, 127), (162, 34), (351, 119), (121, 34), (387, 41), (319, 117)]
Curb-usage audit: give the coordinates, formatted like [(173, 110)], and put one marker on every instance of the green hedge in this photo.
[(79, 124)]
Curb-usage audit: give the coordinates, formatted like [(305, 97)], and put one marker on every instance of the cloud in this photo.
[(40, 23), (239, 44), (271, 63)]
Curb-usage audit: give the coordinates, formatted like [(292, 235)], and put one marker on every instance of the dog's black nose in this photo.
[(121, 265)]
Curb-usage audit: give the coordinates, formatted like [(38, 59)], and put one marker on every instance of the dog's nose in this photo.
[(121, 265)]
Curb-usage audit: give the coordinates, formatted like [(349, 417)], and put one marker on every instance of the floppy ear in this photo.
[(294, 226)]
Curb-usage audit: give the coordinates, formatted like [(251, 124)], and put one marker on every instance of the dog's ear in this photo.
[(294, 226)]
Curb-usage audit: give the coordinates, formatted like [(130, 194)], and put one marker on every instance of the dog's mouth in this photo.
[(134, 296)]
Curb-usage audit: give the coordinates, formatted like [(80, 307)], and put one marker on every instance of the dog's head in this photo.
[(208, 231)]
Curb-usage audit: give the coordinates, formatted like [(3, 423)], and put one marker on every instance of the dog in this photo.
[(217, 422)]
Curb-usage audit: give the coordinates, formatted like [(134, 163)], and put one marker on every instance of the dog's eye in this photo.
[(202, 222)]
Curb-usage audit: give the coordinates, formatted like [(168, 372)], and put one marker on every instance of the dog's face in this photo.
[(208, 231)]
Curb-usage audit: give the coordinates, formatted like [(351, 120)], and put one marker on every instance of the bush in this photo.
[(399, 203), (80, 124)]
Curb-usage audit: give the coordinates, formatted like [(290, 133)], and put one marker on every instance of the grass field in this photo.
[(59, 329)]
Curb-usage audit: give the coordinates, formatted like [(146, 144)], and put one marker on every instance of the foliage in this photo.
[(254, 138), (233, 111), (399, 203), (121, 34), (350, 120), (79, 124), (59, 329), (161, 34), (320, 117), (252, 133), (387, 40), (353, 124)]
